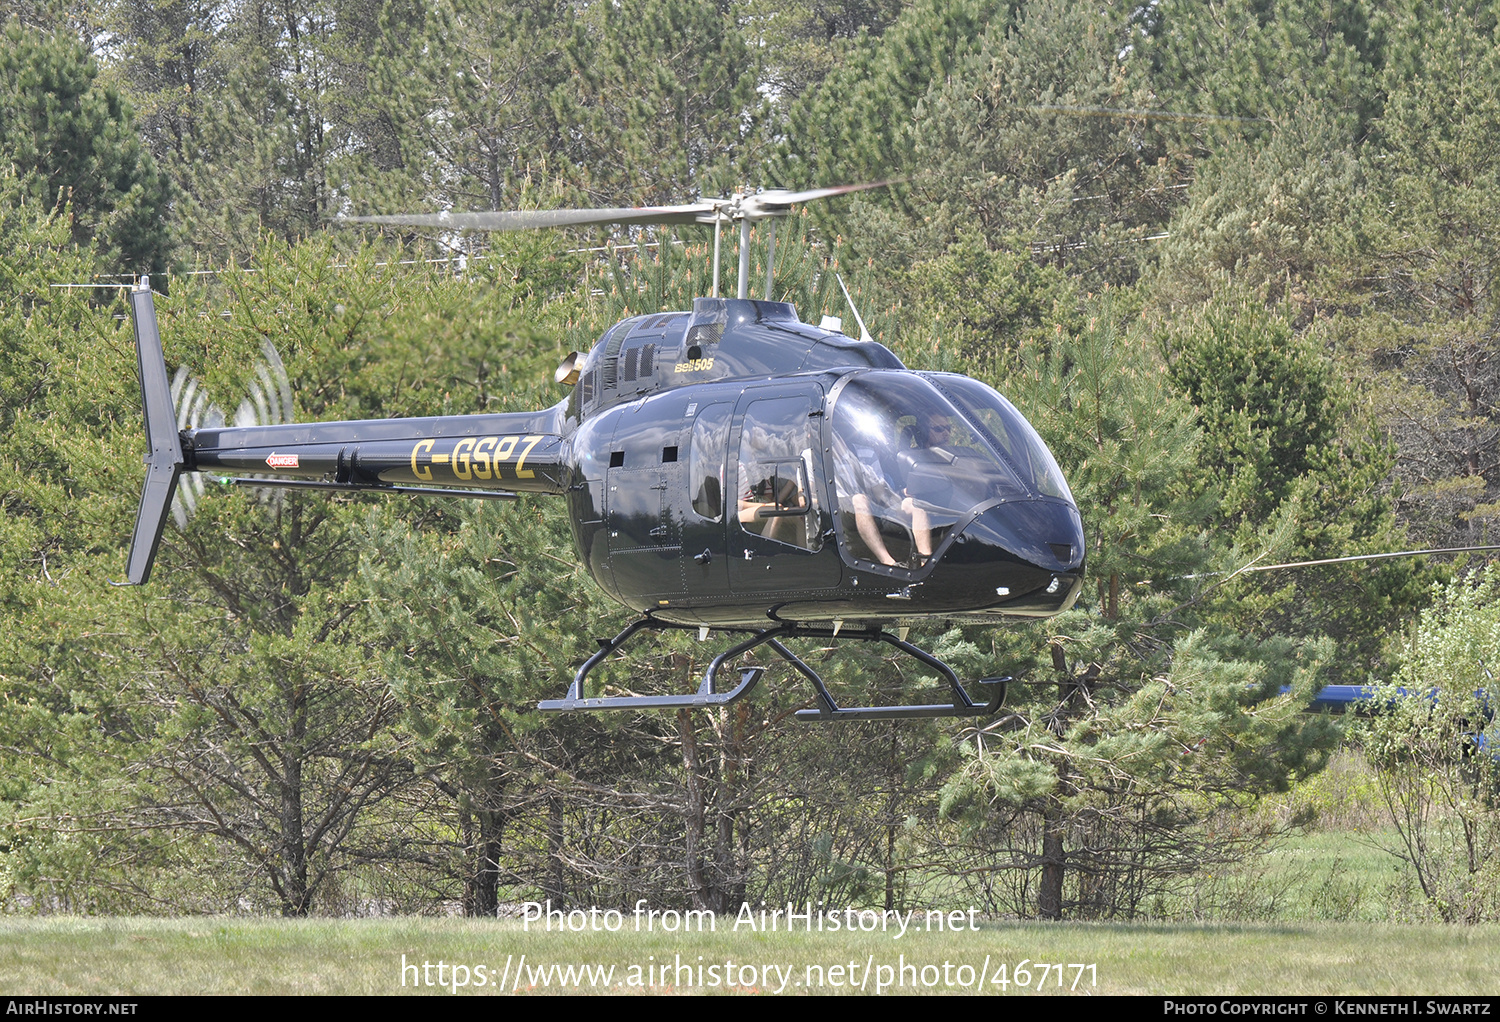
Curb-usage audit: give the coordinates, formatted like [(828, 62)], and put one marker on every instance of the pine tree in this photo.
[(1299, 469), (1249, 65), (72, 141), (491, 71), (1271, 214), (1427, 279), (1137, 731), (659, 102)]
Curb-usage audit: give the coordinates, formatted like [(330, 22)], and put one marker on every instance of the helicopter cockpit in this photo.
[(916, 457)]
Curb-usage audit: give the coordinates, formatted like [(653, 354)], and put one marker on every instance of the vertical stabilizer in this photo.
[(164, 460)]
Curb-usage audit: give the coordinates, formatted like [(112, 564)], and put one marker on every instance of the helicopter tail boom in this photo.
[(509, 452), (488, 455)]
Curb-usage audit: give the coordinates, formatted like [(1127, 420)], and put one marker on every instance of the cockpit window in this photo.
[(908, 465), (1010, 432)]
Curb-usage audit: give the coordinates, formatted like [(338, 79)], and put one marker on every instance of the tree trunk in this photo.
[(1049, 894), (890, 823), (482, 832), (729, 873), (694, 812), (295, 897), (555, 889)]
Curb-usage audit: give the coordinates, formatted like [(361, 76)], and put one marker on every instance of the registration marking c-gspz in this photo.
[(475, 457)]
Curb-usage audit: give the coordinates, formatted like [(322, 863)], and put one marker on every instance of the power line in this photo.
[(1345, 560), (1111, 111)]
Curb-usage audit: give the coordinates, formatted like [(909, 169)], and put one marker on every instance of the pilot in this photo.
[(864, 488), (931, 435)]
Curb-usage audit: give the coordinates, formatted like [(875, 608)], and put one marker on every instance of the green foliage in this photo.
[(68, 440), (1020, 139), (847, 128), (996, 120), (980, 300), (269, 727), (1269, 404), (1249, 64), (1266, 214), (240, 697), (1137, 774), (1127, 444), (1427, 277), (1156, 738), (804, 41), (658, 102), (1432, 740), (482, 153), (483, 612), (72, 141), (1298, 471)]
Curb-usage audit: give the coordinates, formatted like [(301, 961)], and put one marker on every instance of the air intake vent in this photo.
[(608, 365), (1062, 551), (706, 333)]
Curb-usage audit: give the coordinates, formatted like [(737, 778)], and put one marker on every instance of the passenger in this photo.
[(772, 503)]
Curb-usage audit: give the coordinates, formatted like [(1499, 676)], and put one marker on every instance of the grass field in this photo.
[(1320, 913), (220, 956)]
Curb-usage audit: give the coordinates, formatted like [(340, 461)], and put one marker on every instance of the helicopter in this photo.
[(728, 469)]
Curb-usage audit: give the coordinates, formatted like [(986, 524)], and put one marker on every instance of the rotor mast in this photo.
[(744, 290)]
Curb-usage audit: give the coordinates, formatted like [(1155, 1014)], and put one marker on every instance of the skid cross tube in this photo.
[(706, 696), (827, 708)]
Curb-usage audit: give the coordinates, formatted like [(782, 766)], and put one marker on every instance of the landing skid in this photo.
[(709, 694)]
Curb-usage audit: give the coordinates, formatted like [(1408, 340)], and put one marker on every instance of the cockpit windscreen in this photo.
[(1009, 431), (909, 465)]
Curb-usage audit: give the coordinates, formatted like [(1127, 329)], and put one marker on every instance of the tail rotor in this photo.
[(172, 486)]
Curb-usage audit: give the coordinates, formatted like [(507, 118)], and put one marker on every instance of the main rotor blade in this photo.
[(526, 220), (778, 200), (775, 202)]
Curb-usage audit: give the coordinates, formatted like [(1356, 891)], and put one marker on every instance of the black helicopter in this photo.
[(729, 469)]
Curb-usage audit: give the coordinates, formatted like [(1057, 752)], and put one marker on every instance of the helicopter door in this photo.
[(778, 522), (645, 477)]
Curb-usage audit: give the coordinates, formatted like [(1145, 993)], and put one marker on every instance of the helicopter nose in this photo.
[(1022, 557)]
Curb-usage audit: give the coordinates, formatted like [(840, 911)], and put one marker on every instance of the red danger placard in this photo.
[(282, 460)]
